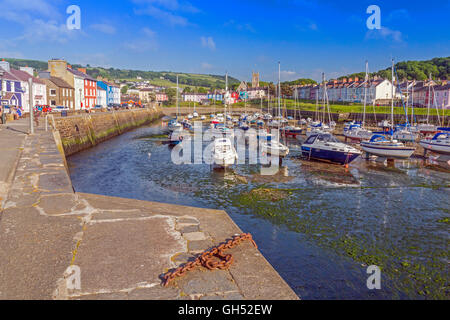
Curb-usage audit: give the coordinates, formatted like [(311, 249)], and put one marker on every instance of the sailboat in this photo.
[(174, 124), (319, 126), (177, 134), (274, 146), (357, 132), (382, 147), (439, 144), (224, 154)]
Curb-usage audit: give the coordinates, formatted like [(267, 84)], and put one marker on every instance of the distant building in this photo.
[(161, 97), (215, 96), (59, 92), (39, 89), (147, 95), (255, 79), (348, 90), (11, 91), (242, 87), (443, 96), (194, 97), (101, 97), (256, 93)]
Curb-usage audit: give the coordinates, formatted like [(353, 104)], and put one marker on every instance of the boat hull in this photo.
[(329, 155), (389, 152), (436, 147)]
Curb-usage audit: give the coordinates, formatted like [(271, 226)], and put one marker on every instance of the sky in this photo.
[(308, 37)]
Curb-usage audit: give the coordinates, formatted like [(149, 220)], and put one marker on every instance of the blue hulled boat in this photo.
[(325, 147)]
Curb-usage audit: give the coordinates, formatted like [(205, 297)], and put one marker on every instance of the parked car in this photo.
[(60, 108)]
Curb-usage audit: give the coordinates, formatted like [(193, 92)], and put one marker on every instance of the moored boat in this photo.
[(439, 144), (324, 146), (224, 154), (390, 149)]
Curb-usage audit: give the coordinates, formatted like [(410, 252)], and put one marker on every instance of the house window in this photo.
[(53, 103), (53, 92)]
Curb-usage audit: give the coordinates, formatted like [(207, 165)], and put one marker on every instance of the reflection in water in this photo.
[(318, 224)]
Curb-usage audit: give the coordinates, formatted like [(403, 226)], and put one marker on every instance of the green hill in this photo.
[(163, 78), (439, 68)]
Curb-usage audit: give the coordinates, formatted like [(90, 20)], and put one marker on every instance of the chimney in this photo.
[(28, 70), (82, 70), (5, 65)]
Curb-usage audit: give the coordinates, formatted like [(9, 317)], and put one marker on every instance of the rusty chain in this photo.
[(214, 258)]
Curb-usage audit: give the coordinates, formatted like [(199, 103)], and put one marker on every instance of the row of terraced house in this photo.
[(379, 92), (60, 85)]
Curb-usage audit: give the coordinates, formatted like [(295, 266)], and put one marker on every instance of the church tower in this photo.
[(255, 79)]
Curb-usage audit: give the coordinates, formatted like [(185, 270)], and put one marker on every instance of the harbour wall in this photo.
[(80, 132)]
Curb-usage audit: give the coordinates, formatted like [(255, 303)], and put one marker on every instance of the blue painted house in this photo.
[(112, 91), (11, 91), (215, 96)]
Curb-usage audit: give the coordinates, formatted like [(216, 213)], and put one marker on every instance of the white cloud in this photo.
[(163, 16), (40, 19), (104, 28), (287, 75), (148, 32), (206, 66), (385, 34), (167, 11), (240, 26), (141, 45), (208, 42)]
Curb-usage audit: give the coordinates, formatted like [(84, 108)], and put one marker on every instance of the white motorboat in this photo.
[(224, 154), (439, 144), (405, 135), (195, 114), (390, 149), (274, 147), (357, 133), (324, 146)]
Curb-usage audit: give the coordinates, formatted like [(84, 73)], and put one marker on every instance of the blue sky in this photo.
[(308, 36)]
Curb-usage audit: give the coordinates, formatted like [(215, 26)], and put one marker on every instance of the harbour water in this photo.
[(319, 225)]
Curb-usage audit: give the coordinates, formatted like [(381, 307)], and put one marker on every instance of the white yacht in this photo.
[(389, 149), (439, 144), (224, 154)]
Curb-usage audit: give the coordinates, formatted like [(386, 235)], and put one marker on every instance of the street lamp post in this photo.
[(31, 105)]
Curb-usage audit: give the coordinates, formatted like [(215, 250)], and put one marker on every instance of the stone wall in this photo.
[(83, 131)]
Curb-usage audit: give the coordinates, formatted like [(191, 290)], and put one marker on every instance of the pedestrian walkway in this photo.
[(12, 137), (114, 248)]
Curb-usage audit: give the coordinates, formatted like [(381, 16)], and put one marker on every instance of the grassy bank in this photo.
[(334, 108)]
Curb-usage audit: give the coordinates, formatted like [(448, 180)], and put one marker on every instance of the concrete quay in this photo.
[(120, 247)]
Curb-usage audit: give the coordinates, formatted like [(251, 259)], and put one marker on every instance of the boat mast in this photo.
[(279, 89), (412, 102), (365, 93), (226, 95), (178, 106), (392, 100), (429, 100)]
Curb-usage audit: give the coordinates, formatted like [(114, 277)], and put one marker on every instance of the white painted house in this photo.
[(101, 97), (39, 88)]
